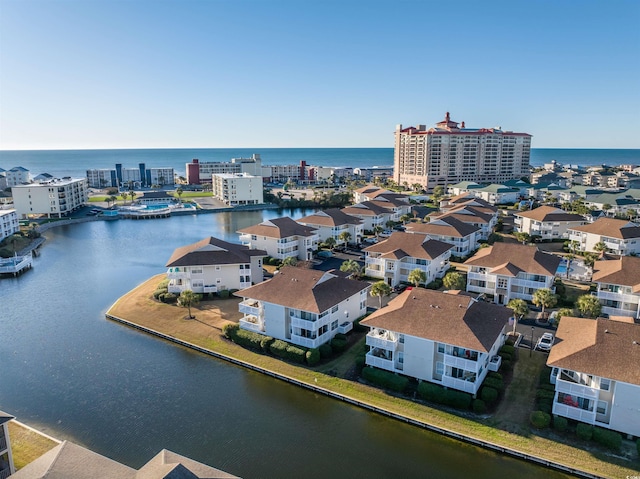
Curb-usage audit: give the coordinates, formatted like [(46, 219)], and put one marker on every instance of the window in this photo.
[(334, 325), (440, 348), (602, 407), (334, 309), (439, 368), (605, 384)]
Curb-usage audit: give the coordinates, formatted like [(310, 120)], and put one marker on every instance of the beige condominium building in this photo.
[(238, 188), (55, 198), (450, 152)]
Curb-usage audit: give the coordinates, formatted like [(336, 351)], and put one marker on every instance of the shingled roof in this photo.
[(549, 213), (446, 318), (509, 259), (444, 226), (283, 227), (611, 228), (401, 244), (624, 270), (365, 208), (304, 289), (330, 217), (601, 347), (210, 251)]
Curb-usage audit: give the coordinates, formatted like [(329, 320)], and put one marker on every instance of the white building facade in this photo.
[(547, 222), (238, 189), (282, 238), (8, 223), (17, 176), (446, 339), (333, 223), (619, 236), (56, 198), (618, 283), (302, 306)]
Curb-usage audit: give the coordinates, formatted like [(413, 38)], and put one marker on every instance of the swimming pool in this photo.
[(156, 207)]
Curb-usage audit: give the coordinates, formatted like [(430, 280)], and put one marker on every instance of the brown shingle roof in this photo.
[(304, 289), (467, 214), (283, 227), (401, 244), (444, 226), (611, 228), (330, 217), (599, 347), (624, 270), (365, 208), (508, 257), (446, 318), (549, 213), (210, 251)]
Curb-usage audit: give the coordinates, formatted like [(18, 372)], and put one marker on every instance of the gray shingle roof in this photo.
[(211, 251)]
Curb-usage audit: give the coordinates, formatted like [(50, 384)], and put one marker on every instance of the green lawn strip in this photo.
[(98, 199), (193, 194), (27, 445), (530, 444)]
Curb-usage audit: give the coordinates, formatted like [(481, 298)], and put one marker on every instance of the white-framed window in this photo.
[(439, 368), (605, 384), (602, 407)]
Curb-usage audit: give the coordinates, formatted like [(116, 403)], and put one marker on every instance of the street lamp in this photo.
[(530, 351)]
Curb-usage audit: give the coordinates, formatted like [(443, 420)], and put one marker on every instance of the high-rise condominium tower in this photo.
[(448, 154)]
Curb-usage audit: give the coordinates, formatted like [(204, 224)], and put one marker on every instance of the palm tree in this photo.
[(330, 242), (590, 259), (524, 238), (454, 280), (545, 298), (405, 219), (417, 277), (380, 289), (113, 199), (352, 267), (520, 309), (179, 192), (345, 236), (187, 299), (390, 224), (570, 257), (589, 306), (377, 229), (606, 207), (290, 261), (600, 247)]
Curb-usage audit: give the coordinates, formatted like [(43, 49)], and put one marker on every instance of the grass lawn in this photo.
[(194, 194), (509, 427), (27, 445), (574, 290)]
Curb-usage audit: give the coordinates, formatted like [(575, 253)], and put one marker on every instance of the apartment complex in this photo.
[(237, 188), (17, 176), (55, 198), (124, 178), (618, 283), (200, 172), (281, 238), (450, 152), (8, 223), (619, 236)]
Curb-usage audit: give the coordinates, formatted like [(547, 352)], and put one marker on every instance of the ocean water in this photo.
[(75, 162)]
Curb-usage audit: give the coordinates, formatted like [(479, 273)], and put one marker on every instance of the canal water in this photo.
[(68, 371)]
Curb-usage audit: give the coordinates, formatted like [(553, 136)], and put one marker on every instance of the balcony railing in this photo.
[(624, 298), (574, 413), (565, 385), (249, 306), (384, 340), (379, 362), (4, 473), (460, 384), (461, 363), (252, 323), (494, 364)]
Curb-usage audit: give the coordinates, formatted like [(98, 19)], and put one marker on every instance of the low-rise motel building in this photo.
[(332, 223), (596, 373), (619, 236), (305, 307), (548, 222), (212, 265), (281, 238), (447, 339)]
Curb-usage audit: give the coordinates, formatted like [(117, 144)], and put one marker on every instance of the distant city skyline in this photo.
[(291, 74)]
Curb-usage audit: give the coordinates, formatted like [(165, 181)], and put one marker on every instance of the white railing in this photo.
[(620, 312), (245, 239), (381, 363), (15, 263), (345, 327), (622, 297), (482, 277), (252, 323), (383, 341), (574, 413), (249, 307), (525, 283), (575, 389), (494, 364), (309, 342), (461, 363), (459, 384), (176, 275)]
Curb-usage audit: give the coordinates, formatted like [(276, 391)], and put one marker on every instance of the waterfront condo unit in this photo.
[(393, 259), (237, 188), (619, 236), (596, 373), (548, 222), (451, 152), (54, 198), (212, 265), (463, 236), (508, 271), (371, 213), (618, 283), (371, 193), (447, 339), (6, 458), (332, 223), (281, 238), (303, 306), (17, 176), (472, 211), (8, 223)]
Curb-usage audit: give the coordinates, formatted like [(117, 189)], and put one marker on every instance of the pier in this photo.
[(16, 265)]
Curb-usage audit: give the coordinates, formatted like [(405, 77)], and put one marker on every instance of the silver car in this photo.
[(545, 342)]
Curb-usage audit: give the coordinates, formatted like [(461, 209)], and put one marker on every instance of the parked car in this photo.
[(545, 342)]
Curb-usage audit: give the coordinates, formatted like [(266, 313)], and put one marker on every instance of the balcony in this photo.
[(574, 413), (623, 298), (252, 323), (381, 362), (494, 364), (250, 306), (176, 274), (461, 363), (345, 327), (566, 384), (465, 385), (378, 338)]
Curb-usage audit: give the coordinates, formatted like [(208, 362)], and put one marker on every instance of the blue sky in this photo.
[(275, 73)]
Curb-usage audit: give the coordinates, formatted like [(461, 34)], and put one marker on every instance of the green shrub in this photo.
[(326, 351), (313, 356), (340, 336), (265, 343), (435, 284), (249, 339), (230, 330), (338, 344), (233, 290), (385, 379), (361, 361), (545, 405), (609, 439), (539, 419), (358, 328), (508, 349), (164, 284), (296, 353), (488, 395), (560, 423), (457, 399), (547, 387), (479, 406), (158, 292), (494, 383), (279, 348), (170, 298), (224, 293), (505, 366), (505, 356), (545, 375), (491, 374), (544, 394), (431, 392), (584, 431)]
